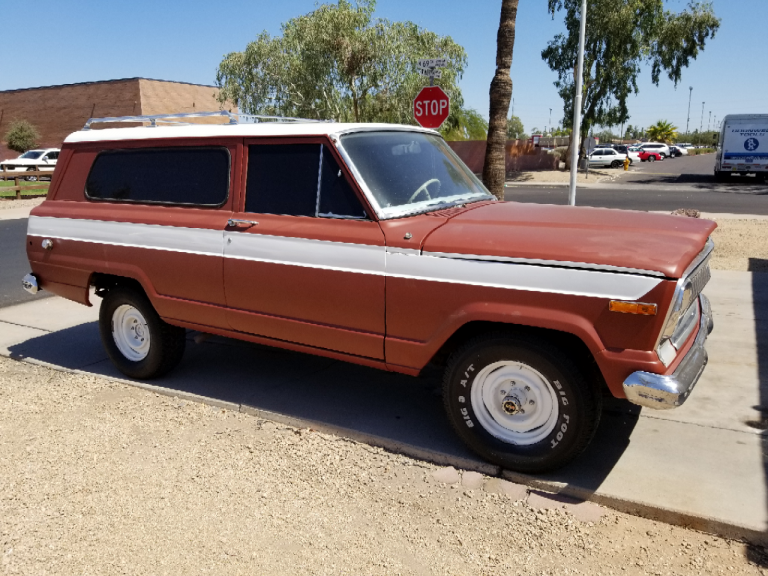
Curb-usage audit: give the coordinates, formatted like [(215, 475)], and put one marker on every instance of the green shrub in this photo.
[(21, 136)]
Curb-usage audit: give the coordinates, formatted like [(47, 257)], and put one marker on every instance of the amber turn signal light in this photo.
[(632, 308)]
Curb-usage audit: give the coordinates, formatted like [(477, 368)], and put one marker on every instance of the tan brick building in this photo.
[(57, 111)]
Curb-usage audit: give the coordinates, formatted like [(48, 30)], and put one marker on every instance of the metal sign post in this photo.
[(577, 108)]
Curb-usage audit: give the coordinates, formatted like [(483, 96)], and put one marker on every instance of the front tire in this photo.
[(520, 403), (31, 178), (615, 164), (138, 342), (651, 158)]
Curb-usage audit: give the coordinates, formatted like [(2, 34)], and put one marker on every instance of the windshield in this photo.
[(32, 154), (411, 172)]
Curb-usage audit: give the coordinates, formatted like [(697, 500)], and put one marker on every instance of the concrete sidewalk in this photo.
[(702, 465)]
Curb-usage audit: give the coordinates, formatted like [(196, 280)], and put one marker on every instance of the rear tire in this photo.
[(520, 402), (31, 178), (139, 343)]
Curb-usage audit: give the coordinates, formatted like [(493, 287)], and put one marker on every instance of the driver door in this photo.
[(304, 261)]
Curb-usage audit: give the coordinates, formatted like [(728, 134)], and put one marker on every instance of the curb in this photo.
[(632, 507)]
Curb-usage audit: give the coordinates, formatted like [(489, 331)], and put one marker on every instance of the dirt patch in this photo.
[(561, 176), (740, 245), (98, 477), (23, 203)]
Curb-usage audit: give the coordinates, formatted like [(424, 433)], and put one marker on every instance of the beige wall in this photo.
[(57, 111)]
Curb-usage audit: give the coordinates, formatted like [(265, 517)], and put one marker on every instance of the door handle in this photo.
[(233, 223)]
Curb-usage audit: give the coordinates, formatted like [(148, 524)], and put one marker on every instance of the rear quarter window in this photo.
[(197, 176)]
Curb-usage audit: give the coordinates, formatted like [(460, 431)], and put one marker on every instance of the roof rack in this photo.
[(234, 118)]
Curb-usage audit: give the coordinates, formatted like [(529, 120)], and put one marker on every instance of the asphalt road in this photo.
[(14, 263), (685, 182)]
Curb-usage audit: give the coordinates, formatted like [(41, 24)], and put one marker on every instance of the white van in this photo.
[(743, 146)]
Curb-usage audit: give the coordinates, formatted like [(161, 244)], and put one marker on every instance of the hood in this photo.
[(655, 243)]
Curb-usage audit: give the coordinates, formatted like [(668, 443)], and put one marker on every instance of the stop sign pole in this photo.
[(432, 105)]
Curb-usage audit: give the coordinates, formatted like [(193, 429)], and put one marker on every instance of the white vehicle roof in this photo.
[(737, 117), (242, 130)]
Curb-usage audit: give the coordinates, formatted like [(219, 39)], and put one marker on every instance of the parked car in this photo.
[(675, 152), (375, 244), (628, 151), (33, 161), (606, 157), (647, 156), (662, 149)]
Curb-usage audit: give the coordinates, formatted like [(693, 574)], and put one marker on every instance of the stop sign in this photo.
[(431, 107)]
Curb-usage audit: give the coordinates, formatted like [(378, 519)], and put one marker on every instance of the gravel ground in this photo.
[(559, 176), (97, 477), (23, 203), (741, 245)]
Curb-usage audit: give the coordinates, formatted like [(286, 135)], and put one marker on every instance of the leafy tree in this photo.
[(494, 169), (338, 62), (662, 131), (621, 36), (465, 124), (21, 136), (515, 128)]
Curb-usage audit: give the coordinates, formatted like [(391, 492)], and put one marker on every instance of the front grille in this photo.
[(699, 279)]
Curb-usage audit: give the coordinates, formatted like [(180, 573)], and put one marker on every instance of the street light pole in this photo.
[(687, 122), (577, 107), (709, 122)]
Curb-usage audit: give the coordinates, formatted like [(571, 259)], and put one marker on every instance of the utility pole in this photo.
[(690, 93), (577, 107), (709, 123), (550, 120), (701, 126)]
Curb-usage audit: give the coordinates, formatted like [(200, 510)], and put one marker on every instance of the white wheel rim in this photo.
[(531, 391), (130, 333)]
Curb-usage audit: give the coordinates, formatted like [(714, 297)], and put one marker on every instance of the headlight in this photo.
[(684, 313)]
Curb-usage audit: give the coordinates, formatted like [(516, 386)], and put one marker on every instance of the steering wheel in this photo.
[(423, 188)]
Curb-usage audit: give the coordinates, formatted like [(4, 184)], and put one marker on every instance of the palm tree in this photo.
[(494, 171), (662, 131)]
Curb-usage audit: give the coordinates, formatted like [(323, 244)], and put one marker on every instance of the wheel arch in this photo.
[(571, 344)]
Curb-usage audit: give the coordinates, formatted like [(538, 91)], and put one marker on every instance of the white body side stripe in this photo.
[(151, 236), (521, 276), (341, 256), (347, 257)]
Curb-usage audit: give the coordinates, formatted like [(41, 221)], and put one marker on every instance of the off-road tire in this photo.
[(166, 342), (579, 402)]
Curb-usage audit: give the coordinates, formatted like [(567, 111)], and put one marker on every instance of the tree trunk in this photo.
[(494, 172)]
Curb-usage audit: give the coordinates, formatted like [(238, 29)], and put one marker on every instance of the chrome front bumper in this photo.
[(664, 392)]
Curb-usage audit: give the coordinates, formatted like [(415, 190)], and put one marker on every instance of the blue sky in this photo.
[(86, 40)]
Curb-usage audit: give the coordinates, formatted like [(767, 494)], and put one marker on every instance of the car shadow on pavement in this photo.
[(758, 267), (401, 413), (736, 184)]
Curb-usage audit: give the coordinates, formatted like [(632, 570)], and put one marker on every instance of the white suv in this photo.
[(33, 160), (662, 149)]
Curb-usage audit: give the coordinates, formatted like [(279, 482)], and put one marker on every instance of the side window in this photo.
[(197, 176), (282, 179), (53, 155), (298, 180), (337, 199)]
